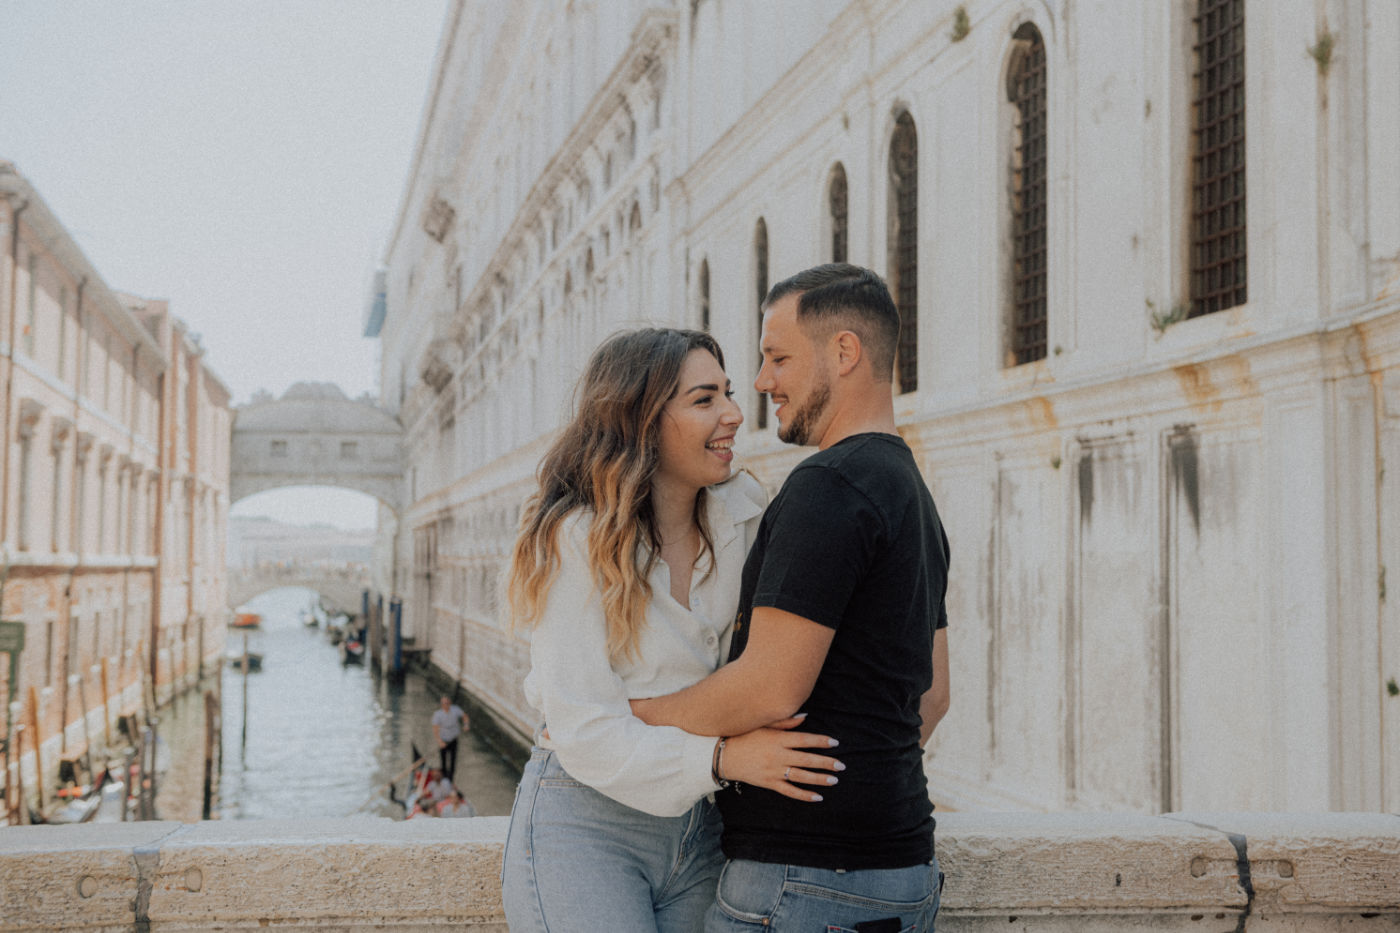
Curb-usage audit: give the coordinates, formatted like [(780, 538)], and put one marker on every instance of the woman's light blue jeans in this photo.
[(774, 898), (579, 862)]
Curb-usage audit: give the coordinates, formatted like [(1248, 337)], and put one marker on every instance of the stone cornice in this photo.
[(45, 226), (654, 32)]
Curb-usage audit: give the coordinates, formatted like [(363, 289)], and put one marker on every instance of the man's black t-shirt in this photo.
[(852, 542)]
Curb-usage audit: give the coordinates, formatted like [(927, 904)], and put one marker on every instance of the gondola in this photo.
[(254, 661), (352, 650), (82, 806), (417, 774)]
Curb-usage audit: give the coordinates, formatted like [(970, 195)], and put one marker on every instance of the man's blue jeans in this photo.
[(792, 899)]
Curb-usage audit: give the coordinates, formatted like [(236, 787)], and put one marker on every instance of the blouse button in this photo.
[(711, 640)]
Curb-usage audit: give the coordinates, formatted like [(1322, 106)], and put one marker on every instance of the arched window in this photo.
[(1218, 267), (634, 222), (760, 265), (705, 295), (1025, 89), (836, 206), (904, 246)]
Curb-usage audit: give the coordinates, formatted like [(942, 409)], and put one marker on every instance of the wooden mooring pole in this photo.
[(35, 740), (211, 717), (106, 706), (244, 742)]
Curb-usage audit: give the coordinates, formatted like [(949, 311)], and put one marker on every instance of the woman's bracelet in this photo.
[(717, 762)]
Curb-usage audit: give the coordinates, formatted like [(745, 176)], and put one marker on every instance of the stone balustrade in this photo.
[(1080, 872)]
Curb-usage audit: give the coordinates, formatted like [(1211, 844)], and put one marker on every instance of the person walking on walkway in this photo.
[(449, 722)]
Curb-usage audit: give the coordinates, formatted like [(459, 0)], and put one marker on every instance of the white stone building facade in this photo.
[(1149, 259)]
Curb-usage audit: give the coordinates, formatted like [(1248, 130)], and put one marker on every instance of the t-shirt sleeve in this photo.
[(941, 617), (821, 537)]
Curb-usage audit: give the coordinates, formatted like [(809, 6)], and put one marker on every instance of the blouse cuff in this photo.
[(697, 759)]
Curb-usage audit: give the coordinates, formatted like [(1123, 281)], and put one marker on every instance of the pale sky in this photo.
[(242, 158)]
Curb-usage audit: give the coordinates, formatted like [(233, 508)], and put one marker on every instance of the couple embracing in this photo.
[(734, 700)]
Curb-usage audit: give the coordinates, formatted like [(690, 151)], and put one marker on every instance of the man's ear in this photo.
[(848, 352)]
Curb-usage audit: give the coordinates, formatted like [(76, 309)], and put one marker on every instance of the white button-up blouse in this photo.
[(582, 698)]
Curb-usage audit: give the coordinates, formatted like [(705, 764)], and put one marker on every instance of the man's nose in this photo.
[(763, 382)]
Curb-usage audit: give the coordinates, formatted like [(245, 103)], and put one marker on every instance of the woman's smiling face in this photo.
[(698, 425)]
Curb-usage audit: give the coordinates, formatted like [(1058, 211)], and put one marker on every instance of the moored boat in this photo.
[(254, 661)]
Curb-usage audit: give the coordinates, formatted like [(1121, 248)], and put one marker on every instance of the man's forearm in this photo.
[(730, 701), (769, 681)]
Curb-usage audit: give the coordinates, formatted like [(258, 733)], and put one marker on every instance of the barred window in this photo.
[(705, 295), (836, 204), (760, 255), (1218, 270), (904, 247), (1025, 86)]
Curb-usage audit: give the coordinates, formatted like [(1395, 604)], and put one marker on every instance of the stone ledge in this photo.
[(1077, 872)]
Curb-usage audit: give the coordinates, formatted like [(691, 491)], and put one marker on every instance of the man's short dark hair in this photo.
[(841, 296)]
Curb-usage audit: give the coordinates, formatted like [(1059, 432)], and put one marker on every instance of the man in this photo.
[(449, 722), (841, 616)]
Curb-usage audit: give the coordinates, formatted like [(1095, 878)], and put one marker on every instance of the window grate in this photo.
[(904, 180), (760, 249), (1218, 260), (839, 213), (1027, 90)]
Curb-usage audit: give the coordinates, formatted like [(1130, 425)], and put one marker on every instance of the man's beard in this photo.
[(799, 429)]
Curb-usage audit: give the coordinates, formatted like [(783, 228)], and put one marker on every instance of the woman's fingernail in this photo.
[(832, 779), (832, 743), (800, 716), (839, 766), (816, 798)]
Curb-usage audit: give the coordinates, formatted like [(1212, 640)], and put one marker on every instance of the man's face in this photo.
[(445, 703), (795, 373)]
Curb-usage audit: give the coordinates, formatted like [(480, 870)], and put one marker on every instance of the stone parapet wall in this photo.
[(1086, 873)]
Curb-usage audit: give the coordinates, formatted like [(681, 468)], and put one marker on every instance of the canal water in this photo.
[(323, 738)]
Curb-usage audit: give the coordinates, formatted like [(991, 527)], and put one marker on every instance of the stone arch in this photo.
[(314, 436)]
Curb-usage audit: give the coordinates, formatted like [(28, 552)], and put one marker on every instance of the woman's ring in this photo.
[(787, 775)]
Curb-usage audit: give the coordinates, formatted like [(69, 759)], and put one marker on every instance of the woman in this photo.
[(627, 573)]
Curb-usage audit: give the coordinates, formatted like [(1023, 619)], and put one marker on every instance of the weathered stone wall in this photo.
[(1075, 873), (1170, 536)]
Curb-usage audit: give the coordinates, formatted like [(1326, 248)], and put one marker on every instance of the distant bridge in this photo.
[(314, 436), (340, 585)]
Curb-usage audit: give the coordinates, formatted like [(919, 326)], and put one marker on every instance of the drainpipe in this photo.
[(131, 499), (73, 651), (15, 211), (191, 523), (158, 531)]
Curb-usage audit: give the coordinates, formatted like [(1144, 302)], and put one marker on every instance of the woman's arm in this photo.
[(657, 769), (661, 771)]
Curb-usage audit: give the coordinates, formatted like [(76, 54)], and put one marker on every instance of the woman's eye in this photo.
[(728, 393)]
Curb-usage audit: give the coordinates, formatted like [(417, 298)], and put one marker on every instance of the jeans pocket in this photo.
[(749, 892)]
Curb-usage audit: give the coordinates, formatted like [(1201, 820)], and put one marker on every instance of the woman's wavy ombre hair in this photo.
[(603, 461)]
